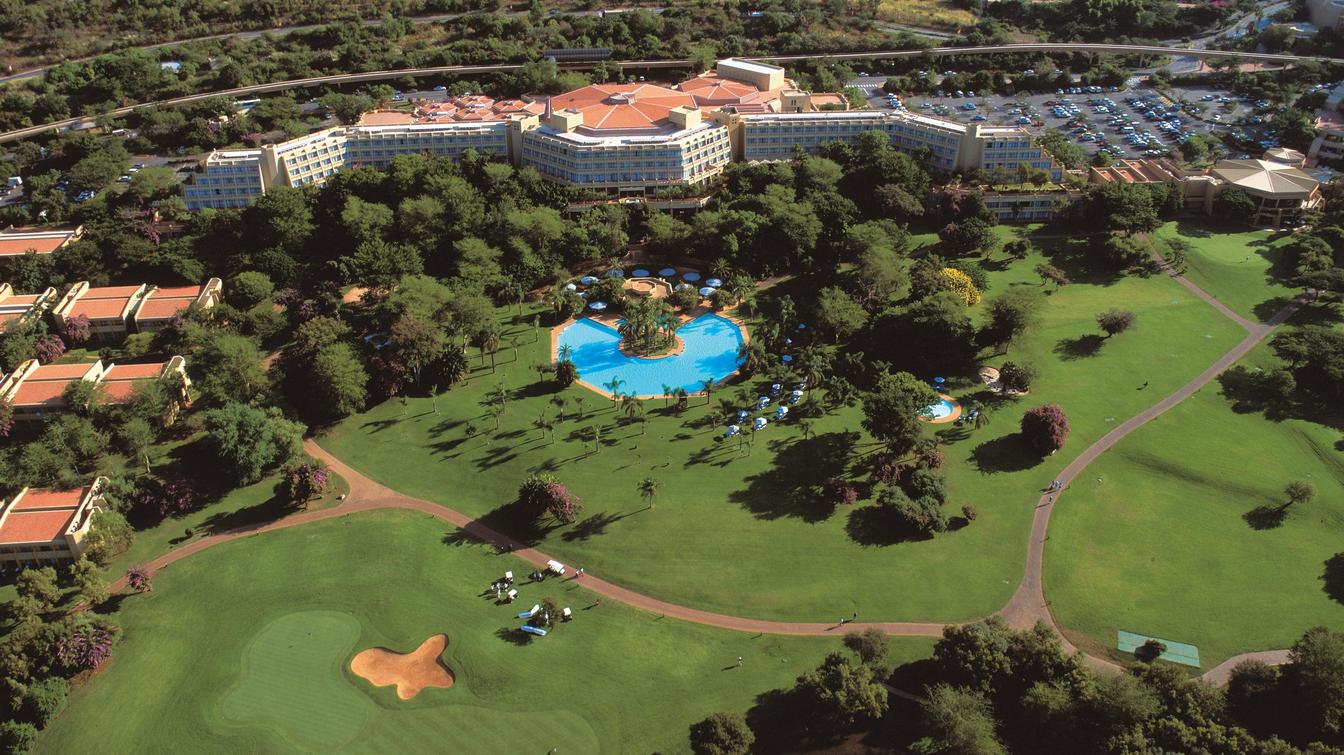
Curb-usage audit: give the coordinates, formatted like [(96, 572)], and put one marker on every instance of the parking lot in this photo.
[(1125, 121)]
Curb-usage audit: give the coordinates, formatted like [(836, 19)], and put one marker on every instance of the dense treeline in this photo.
[(991, 690), (702, 32), (1118, 21)]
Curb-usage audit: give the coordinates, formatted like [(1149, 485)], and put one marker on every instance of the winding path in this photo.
[(1026, 607)]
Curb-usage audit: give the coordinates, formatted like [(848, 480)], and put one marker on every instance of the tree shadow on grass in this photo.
[(514, 636), (265, 512), (1081, 347), (593, 526), (1270, 307), (1265, 517), (876, 525), (512, 519), (777, 719), (793, 486), (1334, 577), (1009, 453)]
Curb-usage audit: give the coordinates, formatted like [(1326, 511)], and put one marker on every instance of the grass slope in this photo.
[(1153, 540), (243, 648), (744, 534), (1237, 268)]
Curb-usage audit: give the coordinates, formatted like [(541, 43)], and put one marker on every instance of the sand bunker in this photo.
[(411, 672)]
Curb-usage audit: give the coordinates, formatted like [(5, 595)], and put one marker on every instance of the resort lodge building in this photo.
[(36, 391), (117, 311), (40, 526), (618, 139)]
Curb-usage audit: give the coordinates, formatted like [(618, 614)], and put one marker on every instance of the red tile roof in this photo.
[(133, 371), (40, 393), (623, 107), (98, 309), (35, 526), (60, 371), (50, 499)]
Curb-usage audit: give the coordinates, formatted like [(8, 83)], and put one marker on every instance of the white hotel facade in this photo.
[(623, 139)]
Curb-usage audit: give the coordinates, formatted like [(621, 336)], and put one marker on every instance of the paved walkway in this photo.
[(1027, 606)]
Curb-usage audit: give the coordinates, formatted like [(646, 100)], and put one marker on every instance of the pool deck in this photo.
[(951, 417), (612, 321)]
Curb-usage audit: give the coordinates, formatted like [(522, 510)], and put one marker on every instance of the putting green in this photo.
[(287, 685)]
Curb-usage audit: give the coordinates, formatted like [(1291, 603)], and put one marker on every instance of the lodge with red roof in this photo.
[(18, 309), (35, 391), (117, 311), (16, 242), (48, 525)]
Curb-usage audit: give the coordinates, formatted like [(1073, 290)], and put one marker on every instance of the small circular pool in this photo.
[(710, 345), (946, 410)]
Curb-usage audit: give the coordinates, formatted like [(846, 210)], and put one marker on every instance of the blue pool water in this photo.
[(938, 410), (711, 352)]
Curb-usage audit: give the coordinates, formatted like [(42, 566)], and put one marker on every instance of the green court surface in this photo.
[(245, 648), (1176, 652)]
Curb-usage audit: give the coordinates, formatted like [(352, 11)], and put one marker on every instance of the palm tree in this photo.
[(498, 396), (490, 345), (648, 489), (614, 387), (667, 394), (805, 425), (564, 351), (559, 402), (578, 401), (708, 385), (721, 269), (540, 423), (596, 432), (634, 409), (713, 419), (497, 411), (981, 417), (754, 357)]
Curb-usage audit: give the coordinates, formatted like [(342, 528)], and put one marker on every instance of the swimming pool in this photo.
[(711, 344), (939, 410)]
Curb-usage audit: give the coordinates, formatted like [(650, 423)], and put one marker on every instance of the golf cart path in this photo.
[(1024, 609)]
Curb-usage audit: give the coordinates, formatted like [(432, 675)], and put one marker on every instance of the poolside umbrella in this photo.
[(802, 326), (571, 287), (938, 382), (597, 306), (706, 291), (775, 388), (786, 359), (691, 277), (640, 273), (781, 411), (763, 400), (788, 341), (734, 429), (715, 282), (759, 423), (615, 272), (742, 413), (588, 280), (668, 272)]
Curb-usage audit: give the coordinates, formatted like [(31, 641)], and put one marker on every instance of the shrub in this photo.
[(923, 516), (886, 469), (1115, 321), (109, 535), (86, 648), (841, 491), (17, 737), (303, 482), (961, 284), (1150, 650), (44, 699), (922, 482), (140, 579), (1046, 428), (1016, 377), (722, 734), (543, 495), (969, 512)]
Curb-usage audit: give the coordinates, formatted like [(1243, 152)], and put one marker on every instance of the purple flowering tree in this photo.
[(49, 348), (303, 482), (139, 578), (841, 491), (171, 498), (543, 495), (78, 329), (1045, 428), (87, 648)]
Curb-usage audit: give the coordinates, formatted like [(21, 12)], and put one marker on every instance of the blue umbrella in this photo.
[(781, 411), (597, 306), (742, 412), (615, 272), (706, 291), (588, 280), (715, 282), (759, 423), (691, 277), (788, 341), (668, 272), (786, 359), (774, 388), (938, 380), (802, 326), (763, 400), (640, 273), (571, 287)]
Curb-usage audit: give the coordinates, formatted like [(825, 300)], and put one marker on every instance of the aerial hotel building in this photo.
[(621, 139)]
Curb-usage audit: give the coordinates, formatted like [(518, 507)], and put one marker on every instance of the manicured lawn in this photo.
[(1234, 267), (746, 534), (1153, 539), (244, 648)]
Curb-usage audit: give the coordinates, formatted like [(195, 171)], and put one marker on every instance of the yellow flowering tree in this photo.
[(962, 285)]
